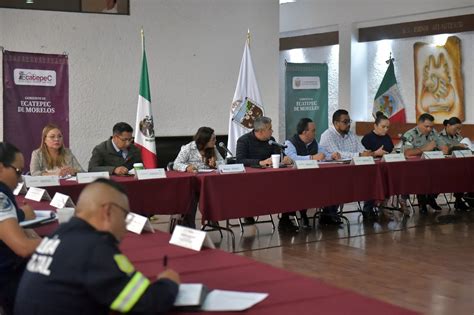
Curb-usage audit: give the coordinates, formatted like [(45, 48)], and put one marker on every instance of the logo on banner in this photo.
[(34, 77), (306, 83), (146, 127)]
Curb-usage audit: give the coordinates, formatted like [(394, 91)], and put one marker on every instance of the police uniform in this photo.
[(11, 265), (449, 140), (414, 139), (79, 270)]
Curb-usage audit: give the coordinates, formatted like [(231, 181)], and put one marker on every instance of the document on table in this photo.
[(42, 216), (190, 295), (222, 300)]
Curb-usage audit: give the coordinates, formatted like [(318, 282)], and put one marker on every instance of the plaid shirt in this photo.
[(347, 145)]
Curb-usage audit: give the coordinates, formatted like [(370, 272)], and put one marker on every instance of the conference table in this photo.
[(268, 191), (289, 293)]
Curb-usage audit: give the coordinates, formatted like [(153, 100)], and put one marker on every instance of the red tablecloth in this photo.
[(168, 195), (289, 293), (428, 176), (264, 191)]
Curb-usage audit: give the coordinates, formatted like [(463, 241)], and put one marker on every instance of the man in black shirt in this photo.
[(253, 149)]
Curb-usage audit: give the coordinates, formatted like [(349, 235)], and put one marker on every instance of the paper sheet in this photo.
[(221, 300)]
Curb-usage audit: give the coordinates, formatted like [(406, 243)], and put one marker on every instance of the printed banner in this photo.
[(306, 95), (35, 93)]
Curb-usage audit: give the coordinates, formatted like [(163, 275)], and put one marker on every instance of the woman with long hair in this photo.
[(201, 153), (52, 158)]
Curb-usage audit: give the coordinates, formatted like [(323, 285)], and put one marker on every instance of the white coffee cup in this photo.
[(276, 160), (64, 214)]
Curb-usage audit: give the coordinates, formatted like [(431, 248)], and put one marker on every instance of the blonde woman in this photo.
[(52, 158)]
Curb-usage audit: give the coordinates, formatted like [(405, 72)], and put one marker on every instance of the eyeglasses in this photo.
[(126, 139), (346, 121), (17, 170), (128, 217)]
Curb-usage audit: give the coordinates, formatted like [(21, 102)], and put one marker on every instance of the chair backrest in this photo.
[(170, 165)]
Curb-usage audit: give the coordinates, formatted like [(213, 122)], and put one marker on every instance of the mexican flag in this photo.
[(388, 99), (247, 103), (144, 128)]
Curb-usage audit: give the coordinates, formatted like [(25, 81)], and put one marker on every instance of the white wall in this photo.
[(362, 65), (194, 49)]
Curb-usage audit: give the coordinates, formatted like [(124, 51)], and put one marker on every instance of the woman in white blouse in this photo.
[(200, 153)]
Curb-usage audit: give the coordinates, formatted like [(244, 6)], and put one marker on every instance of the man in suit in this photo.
[(116, 155)]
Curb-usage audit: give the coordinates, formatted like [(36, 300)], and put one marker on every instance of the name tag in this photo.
[(20, 189), (462, 153), (84, 178), (138, 223), (362, 160), (432, 155), (151, 173), (41, 181), (394, 157), (305, 164), (61, 201), (37, 194), (190, 238), (231, 168)]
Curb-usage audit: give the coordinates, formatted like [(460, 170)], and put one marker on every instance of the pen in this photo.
[(165, 261)]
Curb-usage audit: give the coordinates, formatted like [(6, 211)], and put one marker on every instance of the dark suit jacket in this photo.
[(105, 158)]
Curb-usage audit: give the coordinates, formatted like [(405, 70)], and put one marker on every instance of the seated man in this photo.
[(253, 149), (340, 142), (303, 146), (80, 270), (418, 140), (116, 155)]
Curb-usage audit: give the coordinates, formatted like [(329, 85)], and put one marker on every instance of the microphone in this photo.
[(282, 146), (222, 145)]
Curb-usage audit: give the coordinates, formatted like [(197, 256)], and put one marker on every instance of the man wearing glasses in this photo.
[(116, 155), (79, 269), (341, 143)]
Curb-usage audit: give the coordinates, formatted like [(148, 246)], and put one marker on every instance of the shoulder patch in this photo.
[(6, 204), (124, 264)]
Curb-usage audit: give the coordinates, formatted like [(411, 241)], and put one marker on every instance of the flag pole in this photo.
[(143, 39), (390, 59), (248, 37)]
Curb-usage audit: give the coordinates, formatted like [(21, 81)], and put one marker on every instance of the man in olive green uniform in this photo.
[(418, 140)]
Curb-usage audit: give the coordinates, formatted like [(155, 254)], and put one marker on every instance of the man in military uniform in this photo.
[(418, 140), (80, 270)]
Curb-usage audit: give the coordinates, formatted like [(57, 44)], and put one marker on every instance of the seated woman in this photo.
[(52, 158), (198, 154), (450, 137), (379, 140), (15, 243)]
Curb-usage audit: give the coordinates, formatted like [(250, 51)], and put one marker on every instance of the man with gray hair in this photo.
[(253, 149)]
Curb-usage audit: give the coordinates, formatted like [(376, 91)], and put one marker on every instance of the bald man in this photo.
[(80, 270)]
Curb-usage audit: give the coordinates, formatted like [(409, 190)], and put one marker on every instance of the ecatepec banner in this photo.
[(306, 95), (35, 93)]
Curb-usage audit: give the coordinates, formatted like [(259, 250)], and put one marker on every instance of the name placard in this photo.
[(61, 200), (190, 238), (41, 181), (305, 164), (37, 194), (362, 160), (20, 189), (429, 155), (231, 168), (137, 223), (151, 173), (84, 178), (394, 157), (462, 153)]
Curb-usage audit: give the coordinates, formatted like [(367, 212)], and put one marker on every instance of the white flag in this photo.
[(246, 104)]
